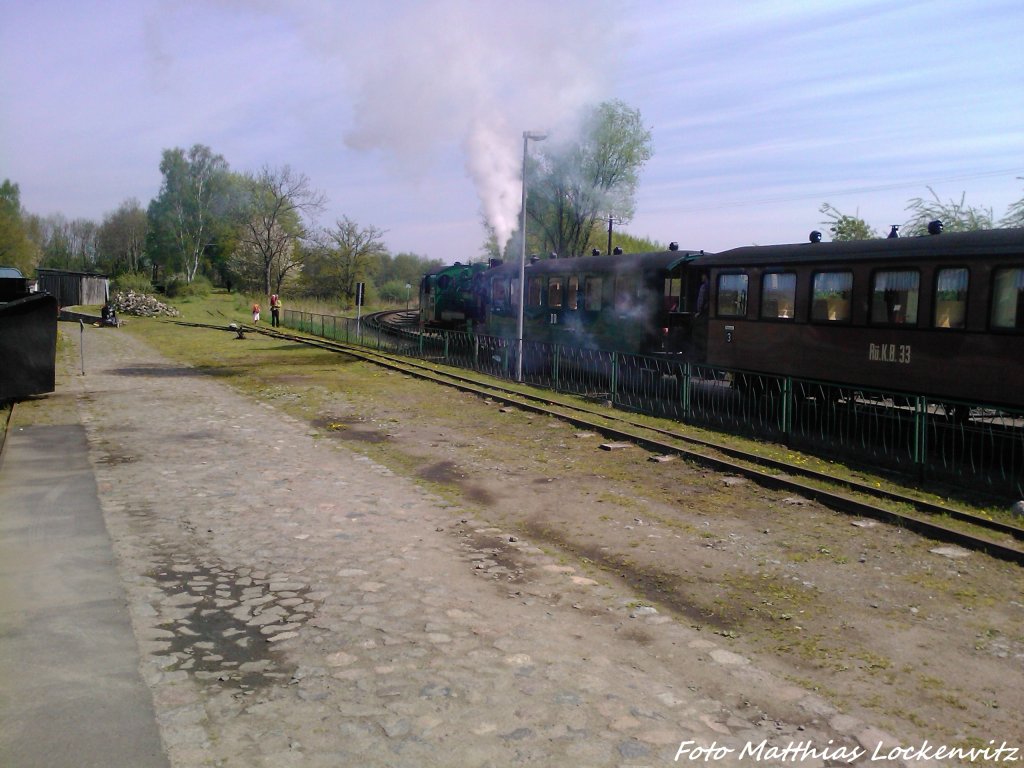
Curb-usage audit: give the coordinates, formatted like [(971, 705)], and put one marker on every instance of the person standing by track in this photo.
[(275, 310)]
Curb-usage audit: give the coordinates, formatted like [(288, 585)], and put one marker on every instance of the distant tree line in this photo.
[(257, 232), (208, 225)]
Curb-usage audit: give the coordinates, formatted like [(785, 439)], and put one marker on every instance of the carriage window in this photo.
[(894, 297), (674, 295), (778, 295), (830, 297), (732, 295), (592, 294), (554, 292), (535, 292), (573, 298), (514, 292), (1008, 298), (625, 290), (499, 293), (950, 298)]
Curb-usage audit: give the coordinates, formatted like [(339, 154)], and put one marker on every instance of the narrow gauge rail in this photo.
[(926, 519)]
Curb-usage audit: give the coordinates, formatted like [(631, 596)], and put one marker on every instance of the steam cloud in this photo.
[(475, 75)]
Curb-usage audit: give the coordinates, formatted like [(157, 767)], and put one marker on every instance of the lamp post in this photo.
[(408, 294), (536, 136)]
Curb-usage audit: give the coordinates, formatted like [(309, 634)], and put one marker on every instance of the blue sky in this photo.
[(409, 115)]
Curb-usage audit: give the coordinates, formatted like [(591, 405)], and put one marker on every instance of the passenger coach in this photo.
[(640, 302), (941, 315)]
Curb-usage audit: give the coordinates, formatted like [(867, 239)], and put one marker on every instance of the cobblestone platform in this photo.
[(296, 604)]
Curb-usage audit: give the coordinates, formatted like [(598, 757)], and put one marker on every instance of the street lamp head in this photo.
[(534, 135)]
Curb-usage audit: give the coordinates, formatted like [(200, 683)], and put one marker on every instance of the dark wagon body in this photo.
[(642, 302), (28, 338), (940, 315)]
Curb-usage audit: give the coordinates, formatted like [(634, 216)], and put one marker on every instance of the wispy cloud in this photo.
[(410, 114)]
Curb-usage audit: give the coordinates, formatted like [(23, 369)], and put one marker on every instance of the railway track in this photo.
[(937, 521)]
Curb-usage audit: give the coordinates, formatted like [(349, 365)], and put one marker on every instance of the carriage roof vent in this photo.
[(553, 255), (534, 258), (815, 236), (457, 264), (894, 232), (617, 251), (673, 246), (935, 227)]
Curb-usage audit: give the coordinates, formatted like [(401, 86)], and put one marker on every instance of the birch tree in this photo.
[(181, 216), (272, 221)]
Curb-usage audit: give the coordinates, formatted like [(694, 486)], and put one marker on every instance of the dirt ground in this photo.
[(920, 637)]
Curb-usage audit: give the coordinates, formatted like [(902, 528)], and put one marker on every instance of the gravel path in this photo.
[(297, 604)]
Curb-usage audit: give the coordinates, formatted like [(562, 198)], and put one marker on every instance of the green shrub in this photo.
[(177, 288), (132, 281)]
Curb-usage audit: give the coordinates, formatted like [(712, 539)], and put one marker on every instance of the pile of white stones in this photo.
[(140, 305)]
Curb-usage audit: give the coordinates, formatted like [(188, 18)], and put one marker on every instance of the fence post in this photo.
[(615, 376), (554, 366), (686, 390), (920, 434), (787, 408)]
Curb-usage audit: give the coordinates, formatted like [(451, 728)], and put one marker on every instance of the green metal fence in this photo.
[(965, 442)]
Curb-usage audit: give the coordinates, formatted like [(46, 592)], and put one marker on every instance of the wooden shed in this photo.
[(72, 289)]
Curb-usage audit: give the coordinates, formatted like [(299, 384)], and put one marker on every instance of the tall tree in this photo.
[(53, 236), (319, 274), (276, 201), (357, 251), (121, 239), (845, 227), (16, 247), (82, 234), (955, 216), (573, 187), (182, 215)]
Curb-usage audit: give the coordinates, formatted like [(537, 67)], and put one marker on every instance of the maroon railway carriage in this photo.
[(940, 315)]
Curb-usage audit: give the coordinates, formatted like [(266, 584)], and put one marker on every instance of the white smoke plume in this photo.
[(475, 74)]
